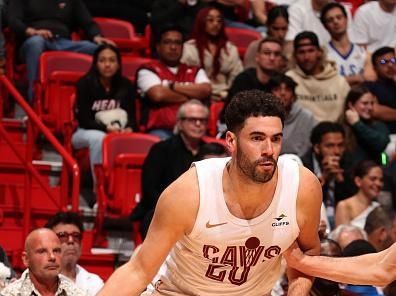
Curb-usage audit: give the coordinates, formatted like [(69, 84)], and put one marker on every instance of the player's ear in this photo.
[(230, 139)]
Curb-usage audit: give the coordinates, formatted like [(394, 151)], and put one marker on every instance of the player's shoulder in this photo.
[(183, 189), (310, 187)]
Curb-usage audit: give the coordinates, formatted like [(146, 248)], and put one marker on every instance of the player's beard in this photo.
[(250, 169)]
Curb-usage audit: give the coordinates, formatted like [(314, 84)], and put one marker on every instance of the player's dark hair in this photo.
[(252, 103)]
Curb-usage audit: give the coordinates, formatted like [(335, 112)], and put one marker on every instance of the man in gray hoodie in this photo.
[(299, 121)]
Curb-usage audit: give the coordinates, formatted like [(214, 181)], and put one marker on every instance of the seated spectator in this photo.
[(365, 138), (69, 229), (357, 248), (210, 49), (328, 161), (304, 16), (6, 271), (268, 59), (368, 178), (135, 12), (299, 122), (344, 234), (378, 227), (169, 159), (319, 86), (259, 11), (373, 25), (229, 9), (352, 59), (167, 83), (42, 258), (47, 25), (278, 21), (105, 103), (384, 88), (180, 12)]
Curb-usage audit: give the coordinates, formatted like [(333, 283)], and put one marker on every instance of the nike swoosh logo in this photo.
[(208, 225)]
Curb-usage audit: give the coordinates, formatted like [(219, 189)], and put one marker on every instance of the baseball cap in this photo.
[(306, 38)]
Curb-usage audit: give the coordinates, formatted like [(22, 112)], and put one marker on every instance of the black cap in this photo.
[(306, 38)]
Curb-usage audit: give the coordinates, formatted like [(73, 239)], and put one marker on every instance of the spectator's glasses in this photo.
[(200, 120), (391, 61), (64, 236)]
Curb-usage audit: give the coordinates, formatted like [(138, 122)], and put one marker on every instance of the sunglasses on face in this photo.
[(391, 61), (64, 236)]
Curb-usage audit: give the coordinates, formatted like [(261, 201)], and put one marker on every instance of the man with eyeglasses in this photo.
[(320, 88), (42, 258), (384, 88), (69, 229), (166, 83), (169, 159)]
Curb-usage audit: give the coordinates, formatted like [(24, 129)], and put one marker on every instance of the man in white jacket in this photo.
[(320, 88)]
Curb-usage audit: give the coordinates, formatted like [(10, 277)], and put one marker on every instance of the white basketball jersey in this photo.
[(225, 255), (350, 64)]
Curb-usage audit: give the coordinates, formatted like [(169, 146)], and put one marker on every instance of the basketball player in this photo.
[(377, 269), (226, 221)]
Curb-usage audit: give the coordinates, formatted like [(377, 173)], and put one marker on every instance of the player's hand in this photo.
[(293, 255)]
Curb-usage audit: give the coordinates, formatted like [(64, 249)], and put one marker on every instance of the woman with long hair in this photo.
[(369, 181), (365, 137), (210, 49), (104, 103)]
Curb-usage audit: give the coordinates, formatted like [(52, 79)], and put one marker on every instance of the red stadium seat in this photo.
[(58, 73), (124, 36), (131, 64), (215, 109), (242, 38), (119, 177)]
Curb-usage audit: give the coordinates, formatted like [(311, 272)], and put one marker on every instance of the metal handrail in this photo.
[(68, 159)]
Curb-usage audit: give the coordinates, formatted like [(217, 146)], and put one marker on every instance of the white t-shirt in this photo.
[(88, 282), (302, 17), (350, 64), (147, 79), (374, 27)]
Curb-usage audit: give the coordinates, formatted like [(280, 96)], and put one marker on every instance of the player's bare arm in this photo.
[(308, 217), (378, 269), (174, 216)]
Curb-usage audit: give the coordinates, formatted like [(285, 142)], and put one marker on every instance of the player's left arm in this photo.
[(309, 201)]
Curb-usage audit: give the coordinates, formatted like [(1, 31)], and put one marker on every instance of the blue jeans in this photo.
[(162, 133), (32, 48), (93, 140)]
